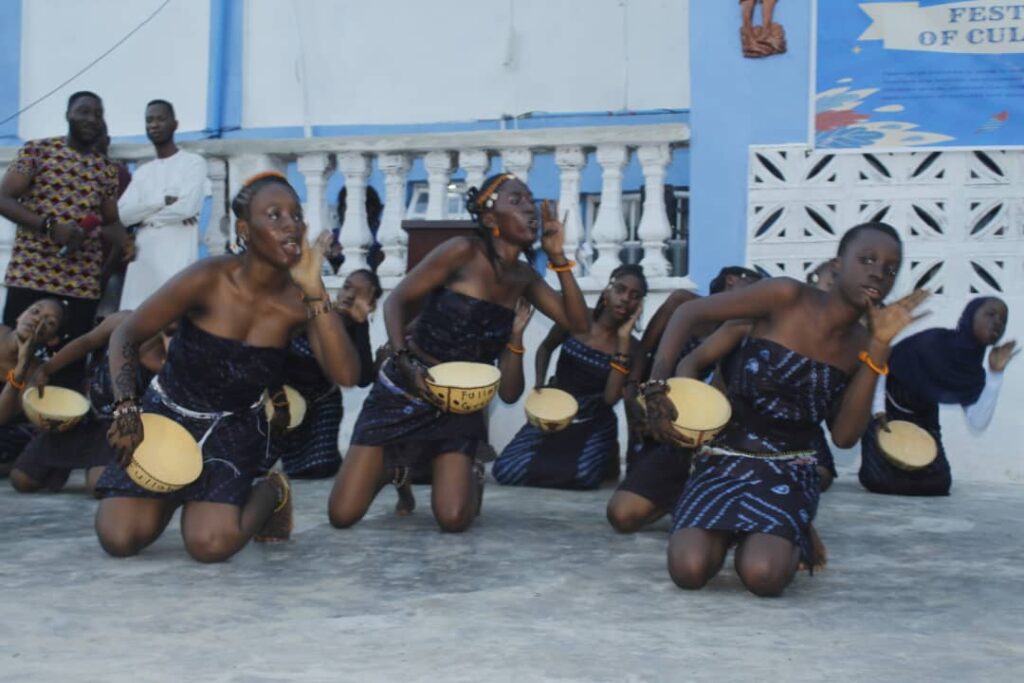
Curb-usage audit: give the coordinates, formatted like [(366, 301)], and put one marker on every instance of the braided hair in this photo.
[(719, 283), (482, 198), (251, 187), (625, 269)]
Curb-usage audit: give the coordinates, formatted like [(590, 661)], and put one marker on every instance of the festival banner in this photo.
[(892, 74)]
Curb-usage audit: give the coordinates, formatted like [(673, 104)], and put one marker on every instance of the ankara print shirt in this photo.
[(67, 185)]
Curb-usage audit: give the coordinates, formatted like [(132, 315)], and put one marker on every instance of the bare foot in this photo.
[(278, 527), (820, 552), (403, 487)]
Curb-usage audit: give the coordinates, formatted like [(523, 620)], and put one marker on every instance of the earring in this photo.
[(495, 232)]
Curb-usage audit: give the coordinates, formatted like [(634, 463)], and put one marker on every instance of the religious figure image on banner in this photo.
[(892, 74)]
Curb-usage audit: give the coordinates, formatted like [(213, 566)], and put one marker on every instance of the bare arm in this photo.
[(759, 300), (854, 412), (78, 348), (12, 187), (624, 364), (329, 340), (511, 361), (555, 337), (569, 310), (656, 327)]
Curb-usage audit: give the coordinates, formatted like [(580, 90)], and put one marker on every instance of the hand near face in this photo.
[(552, 231), (306, 273), (886, 323), (1001, 355)]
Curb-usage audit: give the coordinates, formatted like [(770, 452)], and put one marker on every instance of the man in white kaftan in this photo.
[(164, 199)]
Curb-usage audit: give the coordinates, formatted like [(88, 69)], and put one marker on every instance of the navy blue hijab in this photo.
[(944, 366)]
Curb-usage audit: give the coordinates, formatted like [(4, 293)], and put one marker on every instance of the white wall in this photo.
[(166, 58), (395, 61)]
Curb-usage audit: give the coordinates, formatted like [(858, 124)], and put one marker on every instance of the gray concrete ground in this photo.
[(539, 589)]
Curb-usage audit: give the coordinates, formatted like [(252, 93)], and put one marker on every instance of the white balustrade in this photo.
[(475, 163), (316, 168), (609, 230), (439, 171), (390, 234), (218, 229), (570, 162), (355, 235), (231, 162), (654, 227)]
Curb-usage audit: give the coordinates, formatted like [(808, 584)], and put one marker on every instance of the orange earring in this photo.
[(495, 232)]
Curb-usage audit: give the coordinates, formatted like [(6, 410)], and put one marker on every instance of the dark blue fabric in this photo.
[(574, 457), (208, 373), (943, 366), (779, 398), (451, 327)]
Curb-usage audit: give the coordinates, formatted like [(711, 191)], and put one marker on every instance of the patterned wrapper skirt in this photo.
[(752, 494)]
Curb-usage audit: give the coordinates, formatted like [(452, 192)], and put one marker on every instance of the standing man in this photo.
[(164, 198), (59, 191)]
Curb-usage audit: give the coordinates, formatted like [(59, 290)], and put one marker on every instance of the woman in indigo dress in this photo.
[(932, 367), (237, 314), (310, 451), (593, 367), (464, 292), (807, 360)]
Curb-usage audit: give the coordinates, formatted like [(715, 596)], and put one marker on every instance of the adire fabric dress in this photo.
[(760, 474), (51, 456), (311, 449), (573, 458), (213, 387), (451, 327)]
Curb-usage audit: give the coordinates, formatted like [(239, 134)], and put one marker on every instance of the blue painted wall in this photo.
[(737, 102), (10, 69)]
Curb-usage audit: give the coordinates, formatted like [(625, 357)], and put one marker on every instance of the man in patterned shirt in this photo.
[(59, 191)]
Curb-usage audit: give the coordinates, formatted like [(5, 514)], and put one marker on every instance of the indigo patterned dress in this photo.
[(51, 456), (760, 474), (311, 449), (574, 457), (451, 327), (213, 387)]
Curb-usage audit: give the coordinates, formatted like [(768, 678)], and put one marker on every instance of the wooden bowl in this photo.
[(168, 457), (59, 409), (296, 407), (703, 411), (550, 409), (463, 387), (907, 446)]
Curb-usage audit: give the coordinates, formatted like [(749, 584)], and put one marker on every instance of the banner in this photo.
[(891, 74)]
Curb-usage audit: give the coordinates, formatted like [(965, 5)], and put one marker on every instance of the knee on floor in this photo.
[(624, 518), (22, 483), (454, 517), (763, 576), (689, 570), (119, 542), (211, 547)]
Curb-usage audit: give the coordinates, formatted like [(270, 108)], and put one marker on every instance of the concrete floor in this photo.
[(539, 589)]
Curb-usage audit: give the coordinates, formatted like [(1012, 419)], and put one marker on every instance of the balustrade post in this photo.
[(355, 234), (517, 160), (570, 162), (391, 236), (609, 229), (475, 163), (218, 229), (654, 227), (439, 171), (7, 233), (316, 169)]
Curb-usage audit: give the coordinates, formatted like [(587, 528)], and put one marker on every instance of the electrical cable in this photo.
[(89, 65)]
